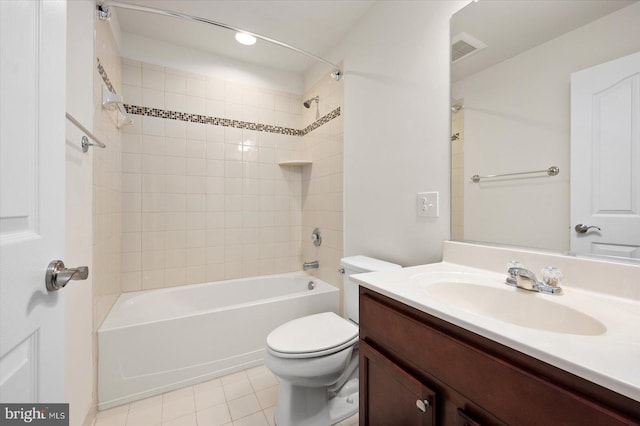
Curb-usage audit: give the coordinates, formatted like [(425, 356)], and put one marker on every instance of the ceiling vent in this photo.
[(464, 45)]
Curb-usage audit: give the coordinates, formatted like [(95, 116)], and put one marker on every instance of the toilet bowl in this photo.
[(316, 358)]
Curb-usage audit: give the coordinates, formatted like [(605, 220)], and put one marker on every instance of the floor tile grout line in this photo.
[(195, 412)]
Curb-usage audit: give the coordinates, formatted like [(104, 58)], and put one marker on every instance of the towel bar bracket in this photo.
[(87, 135)]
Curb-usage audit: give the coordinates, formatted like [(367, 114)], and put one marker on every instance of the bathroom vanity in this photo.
[(429, 360), (419, 370)]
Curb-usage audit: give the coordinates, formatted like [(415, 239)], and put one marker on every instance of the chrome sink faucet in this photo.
[(519, 276)]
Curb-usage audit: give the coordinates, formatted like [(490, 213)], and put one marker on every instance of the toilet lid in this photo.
[(313, 335)]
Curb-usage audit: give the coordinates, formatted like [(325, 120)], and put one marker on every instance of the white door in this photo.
[(32, 169), (605, 158)]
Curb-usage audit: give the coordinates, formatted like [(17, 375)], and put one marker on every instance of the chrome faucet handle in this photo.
[(511, 271)]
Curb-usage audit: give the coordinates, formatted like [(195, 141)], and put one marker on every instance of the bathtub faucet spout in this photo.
[(310, 265)]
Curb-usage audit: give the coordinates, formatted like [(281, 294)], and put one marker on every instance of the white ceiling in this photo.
[(511, 27), (315, 26)]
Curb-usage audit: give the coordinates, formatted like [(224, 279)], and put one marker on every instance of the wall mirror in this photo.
[(515, 65)]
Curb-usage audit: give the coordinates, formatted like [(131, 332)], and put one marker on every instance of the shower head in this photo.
[(307, 103)]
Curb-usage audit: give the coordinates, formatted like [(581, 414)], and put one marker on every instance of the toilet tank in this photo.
[(357, 265)]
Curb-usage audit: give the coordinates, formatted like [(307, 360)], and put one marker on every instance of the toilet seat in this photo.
[(312, 336)]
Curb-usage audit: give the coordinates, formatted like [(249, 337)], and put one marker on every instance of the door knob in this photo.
[(58, 276), (582, 229)]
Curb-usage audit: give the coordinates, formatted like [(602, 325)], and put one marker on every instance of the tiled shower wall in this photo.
[(107, 182), (205, 202), (107, 178), (322, 182)]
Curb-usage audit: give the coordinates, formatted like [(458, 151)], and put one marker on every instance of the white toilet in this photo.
[(316, 358)]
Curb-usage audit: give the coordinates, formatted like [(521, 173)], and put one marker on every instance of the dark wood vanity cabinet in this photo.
[(416, 369), (465, 420), (393, 395)]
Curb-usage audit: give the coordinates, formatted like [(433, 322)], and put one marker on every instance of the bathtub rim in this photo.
[(324, 287)]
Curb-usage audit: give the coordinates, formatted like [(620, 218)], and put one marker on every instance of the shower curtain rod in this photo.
[(104, 14)]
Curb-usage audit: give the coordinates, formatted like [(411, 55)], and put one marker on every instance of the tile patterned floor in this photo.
[(247, 398)]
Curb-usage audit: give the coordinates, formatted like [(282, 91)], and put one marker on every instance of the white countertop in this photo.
[(610, 359)]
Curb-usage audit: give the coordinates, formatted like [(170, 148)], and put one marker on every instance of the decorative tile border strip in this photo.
[(323, 120), (216, 121), (105, 77), (204, 119), (226, 122)]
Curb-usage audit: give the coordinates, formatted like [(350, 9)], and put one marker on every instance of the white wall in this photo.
[(396, 130), (517, 119), (78, 251)]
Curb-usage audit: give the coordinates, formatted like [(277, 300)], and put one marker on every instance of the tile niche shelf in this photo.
[(294, 163)]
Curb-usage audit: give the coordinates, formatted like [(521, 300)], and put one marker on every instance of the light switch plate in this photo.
[(427, 204)]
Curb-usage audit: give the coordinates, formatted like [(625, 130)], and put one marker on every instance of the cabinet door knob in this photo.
[(422, 405)]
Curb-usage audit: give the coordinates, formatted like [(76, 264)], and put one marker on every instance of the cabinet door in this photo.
[(465, 420), (391, 396)]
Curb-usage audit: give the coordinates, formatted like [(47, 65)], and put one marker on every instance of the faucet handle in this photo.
[(514, 264), (512, 271), (552, 276)]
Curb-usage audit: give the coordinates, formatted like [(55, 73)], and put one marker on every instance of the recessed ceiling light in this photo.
[(246, 39)]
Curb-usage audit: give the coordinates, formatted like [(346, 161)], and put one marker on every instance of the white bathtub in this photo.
[(159, 340)]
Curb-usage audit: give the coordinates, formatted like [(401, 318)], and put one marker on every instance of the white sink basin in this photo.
[(514, 306), (587, 333)]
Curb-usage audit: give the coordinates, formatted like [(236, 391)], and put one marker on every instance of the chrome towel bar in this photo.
[(85, 141), (551, 171)]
